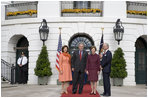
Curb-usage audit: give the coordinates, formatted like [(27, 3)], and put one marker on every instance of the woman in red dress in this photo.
[(93, 69)]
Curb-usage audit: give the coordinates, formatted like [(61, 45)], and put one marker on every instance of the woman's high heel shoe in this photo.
[(66, 92), (62, 92), (95, 93), (91, 93)]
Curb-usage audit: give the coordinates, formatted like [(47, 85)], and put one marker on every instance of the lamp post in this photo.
[(43, 31), (118, 30)]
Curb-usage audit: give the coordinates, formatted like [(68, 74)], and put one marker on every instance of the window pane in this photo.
[(81, 4)]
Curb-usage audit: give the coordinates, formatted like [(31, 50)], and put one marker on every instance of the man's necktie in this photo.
[(80, 55), (104, 53), (21, 61)]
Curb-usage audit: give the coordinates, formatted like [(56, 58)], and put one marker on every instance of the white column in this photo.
[(130, 61), (3, 9)]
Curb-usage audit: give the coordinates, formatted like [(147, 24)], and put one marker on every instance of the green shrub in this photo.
[(118, 65), (42, 64)]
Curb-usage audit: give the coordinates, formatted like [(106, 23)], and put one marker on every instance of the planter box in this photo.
[(58, 82), (117, 81), (101, 82), (43, 80), (81, 14), (136, 16), (111, 81), (21, 16)]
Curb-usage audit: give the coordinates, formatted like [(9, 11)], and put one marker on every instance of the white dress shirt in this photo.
[(23, 59)]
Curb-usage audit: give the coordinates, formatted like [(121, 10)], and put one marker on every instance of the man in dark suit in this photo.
[(22, 69), (78, 61), (106, 69)]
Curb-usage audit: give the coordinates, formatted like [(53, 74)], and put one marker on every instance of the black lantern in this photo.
[(118, 30), (43, 30)]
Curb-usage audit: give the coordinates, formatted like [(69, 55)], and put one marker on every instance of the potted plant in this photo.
[(118, 67), (42, 69)]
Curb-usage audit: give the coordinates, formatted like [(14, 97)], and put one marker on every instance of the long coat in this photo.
[(65, 67), (93, 66), (77, 64), (106, 62)]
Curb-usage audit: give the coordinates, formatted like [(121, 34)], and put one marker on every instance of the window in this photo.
[(81, 8), (20, 9), (136, 9), (81, 4), (80, 38)]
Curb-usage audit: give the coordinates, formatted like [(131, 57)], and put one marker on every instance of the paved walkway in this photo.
[(54, 91)]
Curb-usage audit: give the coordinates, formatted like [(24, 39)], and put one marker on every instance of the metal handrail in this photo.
[(8, 71)]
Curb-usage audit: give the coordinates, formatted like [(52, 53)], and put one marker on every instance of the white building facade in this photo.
[(15, 29)]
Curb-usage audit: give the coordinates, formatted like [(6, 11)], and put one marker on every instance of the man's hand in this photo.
[(101, 67), (98, 72), (100, 55), (87, 72), (73, 69), (20, 65)]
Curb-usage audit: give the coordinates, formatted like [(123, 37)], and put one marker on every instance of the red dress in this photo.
[(93, 66)]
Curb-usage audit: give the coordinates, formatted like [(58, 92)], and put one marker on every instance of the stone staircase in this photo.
[(6, 84)]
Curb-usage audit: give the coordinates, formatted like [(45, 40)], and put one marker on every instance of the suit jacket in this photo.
[(106, 62), (77, 64)]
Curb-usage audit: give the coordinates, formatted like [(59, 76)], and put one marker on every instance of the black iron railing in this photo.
[(8, 71)]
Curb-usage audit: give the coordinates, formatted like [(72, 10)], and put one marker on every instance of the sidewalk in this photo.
[(126, 91), (27, 90)]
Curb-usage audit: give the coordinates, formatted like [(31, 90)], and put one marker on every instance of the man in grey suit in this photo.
[(79, 60)]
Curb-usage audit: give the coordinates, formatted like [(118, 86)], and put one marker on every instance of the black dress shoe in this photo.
[(102, 94), (73, 92), (80, 92), (107, 95)]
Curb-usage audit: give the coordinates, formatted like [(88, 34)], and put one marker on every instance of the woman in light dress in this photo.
[(65, 74)]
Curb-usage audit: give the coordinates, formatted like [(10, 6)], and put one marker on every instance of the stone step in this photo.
[(4, 82)]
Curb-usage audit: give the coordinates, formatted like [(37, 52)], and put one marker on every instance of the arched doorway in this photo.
[(141, 61), (78, 38), (22, 46)]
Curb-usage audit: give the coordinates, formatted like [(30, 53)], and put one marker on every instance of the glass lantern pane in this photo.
[(121, 35), (42, 36), (46, 36), (116, 35)]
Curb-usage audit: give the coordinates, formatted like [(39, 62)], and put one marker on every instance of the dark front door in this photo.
[(141, 62), (22, 46)]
